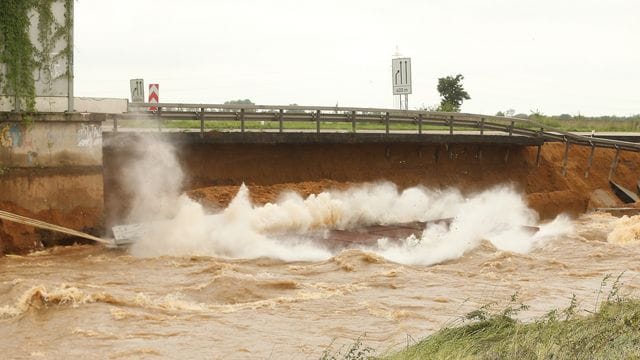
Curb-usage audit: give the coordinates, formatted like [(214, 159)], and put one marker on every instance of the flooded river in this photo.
[(91, 302), (284, 280)]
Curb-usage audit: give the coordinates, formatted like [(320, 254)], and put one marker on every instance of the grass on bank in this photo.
[(611, 332)]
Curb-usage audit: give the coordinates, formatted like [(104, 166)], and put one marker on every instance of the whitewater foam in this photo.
[(279, 230), (626, 230), (243, 230)]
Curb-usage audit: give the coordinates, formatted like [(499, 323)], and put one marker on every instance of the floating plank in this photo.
[(124, 235), (627, 196), (127, 234)]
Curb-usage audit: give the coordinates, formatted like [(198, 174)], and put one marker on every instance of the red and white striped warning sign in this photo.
[(154, 96)]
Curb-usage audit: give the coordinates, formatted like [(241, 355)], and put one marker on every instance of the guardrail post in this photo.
[(593, 149), (451, 125), (115, 124), (482, 126), (241, 120), (280, 119), (565, 159), (541, 131), (201, 122), (538, 155), (511, 128), (159, 116), (386, 123), (353, 121), (317, 121), (614, 163), (420, 124)]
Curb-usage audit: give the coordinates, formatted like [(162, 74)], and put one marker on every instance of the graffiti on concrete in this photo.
[(89, 135), (5, 137), (11, 136)]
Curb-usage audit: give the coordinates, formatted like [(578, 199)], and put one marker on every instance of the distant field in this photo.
[(588, 124)]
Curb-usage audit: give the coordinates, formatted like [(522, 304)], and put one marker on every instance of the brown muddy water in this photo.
[(91, 302)]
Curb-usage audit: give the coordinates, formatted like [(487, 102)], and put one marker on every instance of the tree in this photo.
[(452, 93), (507, 113), (239, 102)]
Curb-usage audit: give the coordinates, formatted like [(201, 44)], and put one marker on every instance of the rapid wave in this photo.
[(39, 298), (626, 230)]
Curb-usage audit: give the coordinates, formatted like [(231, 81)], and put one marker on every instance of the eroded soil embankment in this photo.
[(71, 197), (214, 172)]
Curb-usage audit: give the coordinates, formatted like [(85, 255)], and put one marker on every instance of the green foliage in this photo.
[(239, 102), (19, 54), (16, 50), (356, 351), (448, 107), (452, 93)]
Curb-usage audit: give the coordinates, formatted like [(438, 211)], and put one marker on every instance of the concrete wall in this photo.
[(81, 104), (101, 105), (53, 143)]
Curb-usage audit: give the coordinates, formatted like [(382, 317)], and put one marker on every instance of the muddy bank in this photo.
[(214, 172), (17, 238), (71, 197)]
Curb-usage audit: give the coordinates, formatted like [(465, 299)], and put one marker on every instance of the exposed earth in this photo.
[(546, 190)]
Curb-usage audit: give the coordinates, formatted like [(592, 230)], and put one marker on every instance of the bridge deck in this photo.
[(328, 138)]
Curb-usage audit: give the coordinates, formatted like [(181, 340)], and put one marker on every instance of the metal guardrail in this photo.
[(325, 115), (319, 115)]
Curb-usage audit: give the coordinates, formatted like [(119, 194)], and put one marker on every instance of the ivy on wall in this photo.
[(20, 56)]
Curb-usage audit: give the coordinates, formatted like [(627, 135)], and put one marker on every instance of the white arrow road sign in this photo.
[(401, 76)]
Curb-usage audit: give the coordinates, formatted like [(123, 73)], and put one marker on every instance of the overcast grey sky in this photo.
[(559, 56)]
